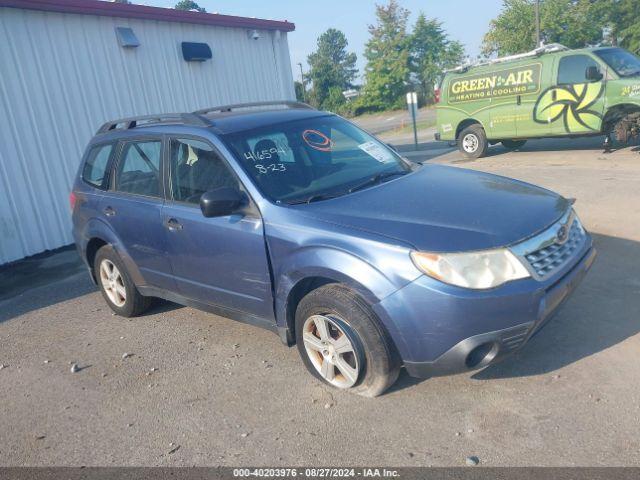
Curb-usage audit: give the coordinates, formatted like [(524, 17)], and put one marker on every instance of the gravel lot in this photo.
[(223, 393)]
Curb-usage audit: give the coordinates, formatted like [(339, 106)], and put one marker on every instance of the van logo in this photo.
[(571, 103), (562, 235), (522, 80)]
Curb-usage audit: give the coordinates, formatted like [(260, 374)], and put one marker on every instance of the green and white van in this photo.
[(549, 92)]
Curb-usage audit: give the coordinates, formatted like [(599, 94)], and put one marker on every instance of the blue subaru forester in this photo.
[(298, 221)]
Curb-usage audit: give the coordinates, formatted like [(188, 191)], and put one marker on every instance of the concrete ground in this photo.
[(202, 390)]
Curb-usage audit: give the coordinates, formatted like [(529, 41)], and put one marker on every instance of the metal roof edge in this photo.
[(144, 12)]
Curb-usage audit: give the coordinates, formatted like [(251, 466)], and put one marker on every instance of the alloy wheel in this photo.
[(113, 283), (331, 351)]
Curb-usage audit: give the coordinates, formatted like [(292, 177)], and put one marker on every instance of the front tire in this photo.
[(116, 285), (342, 342), (513, 144), (472, 142)]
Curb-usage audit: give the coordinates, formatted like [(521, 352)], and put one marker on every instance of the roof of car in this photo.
[(222, 120), (232, 122)]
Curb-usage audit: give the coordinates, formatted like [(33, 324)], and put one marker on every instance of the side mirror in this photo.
[(593, 74), (221, 202)]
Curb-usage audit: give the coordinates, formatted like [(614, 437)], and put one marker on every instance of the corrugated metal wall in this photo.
[(63, 75)]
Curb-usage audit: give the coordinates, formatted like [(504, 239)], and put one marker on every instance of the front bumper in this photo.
[(452, 331)]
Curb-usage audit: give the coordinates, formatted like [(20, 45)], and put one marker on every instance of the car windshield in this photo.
[(314, 159), (624, 63)]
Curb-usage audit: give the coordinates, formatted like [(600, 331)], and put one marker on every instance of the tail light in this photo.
[(72, 200), (436, 95)]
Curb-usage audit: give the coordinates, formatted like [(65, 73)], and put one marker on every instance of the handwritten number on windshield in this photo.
[(273, 167)]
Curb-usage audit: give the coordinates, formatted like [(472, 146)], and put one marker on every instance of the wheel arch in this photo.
[(93, 245), (308, 284), (467, 122), (98, 233), (310, 269), (615, 113)]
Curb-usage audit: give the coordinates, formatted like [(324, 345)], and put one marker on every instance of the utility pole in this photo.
[(304, 89), (537, 23)]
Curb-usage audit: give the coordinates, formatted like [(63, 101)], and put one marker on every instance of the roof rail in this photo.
[(235, 106), (552, 47), (145, 120)]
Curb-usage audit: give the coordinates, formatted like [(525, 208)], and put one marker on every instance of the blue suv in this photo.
[(298, 221)]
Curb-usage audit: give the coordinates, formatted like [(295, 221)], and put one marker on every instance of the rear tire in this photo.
[(116, 285), (372, 362), (472, 142), (513, 144)]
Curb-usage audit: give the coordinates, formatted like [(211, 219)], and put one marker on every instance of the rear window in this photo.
[(95, 168)]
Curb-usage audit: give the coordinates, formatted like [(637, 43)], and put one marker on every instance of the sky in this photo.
[(464, 20)]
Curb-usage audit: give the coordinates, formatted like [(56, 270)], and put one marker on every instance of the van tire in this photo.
[(134, 303), (472, 141), (513, 144), (378, 361)]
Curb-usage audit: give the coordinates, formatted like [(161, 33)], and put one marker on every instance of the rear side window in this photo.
[(139, 168), (95, 168), (572, 69)]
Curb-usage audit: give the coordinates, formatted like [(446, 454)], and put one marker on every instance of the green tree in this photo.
[(188, 5), (623, 21), (574, 23), (431, 52), (387, 53), (332, 69)]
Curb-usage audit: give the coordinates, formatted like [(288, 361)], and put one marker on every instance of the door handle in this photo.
[(173, 224), (109, 212), (554, 95), (519, 99)]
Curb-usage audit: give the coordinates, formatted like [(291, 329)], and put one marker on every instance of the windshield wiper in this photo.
[(315, 198), (376, 179), (370, 181)]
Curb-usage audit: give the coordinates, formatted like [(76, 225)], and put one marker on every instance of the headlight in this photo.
[(477, 270)]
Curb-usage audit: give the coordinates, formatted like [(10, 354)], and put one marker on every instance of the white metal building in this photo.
[(67, 66)]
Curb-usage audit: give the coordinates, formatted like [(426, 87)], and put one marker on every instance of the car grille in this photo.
[(547, 260)]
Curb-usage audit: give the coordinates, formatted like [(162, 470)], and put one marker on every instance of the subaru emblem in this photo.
[(562, 235)]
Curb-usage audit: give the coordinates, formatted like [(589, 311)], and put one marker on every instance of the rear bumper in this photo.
[(518, 316)]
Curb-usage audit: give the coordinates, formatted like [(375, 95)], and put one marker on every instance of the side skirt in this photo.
[(215, 309)]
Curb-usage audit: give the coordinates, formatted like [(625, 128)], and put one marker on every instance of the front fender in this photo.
[(339, 266), (336, 265)]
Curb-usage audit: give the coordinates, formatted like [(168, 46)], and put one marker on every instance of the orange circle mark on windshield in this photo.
[(317, 140)]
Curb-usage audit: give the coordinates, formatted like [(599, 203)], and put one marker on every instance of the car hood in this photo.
[(446, 209)]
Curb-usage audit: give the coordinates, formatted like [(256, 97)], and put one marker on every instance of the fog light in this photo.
[(481, 355)]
